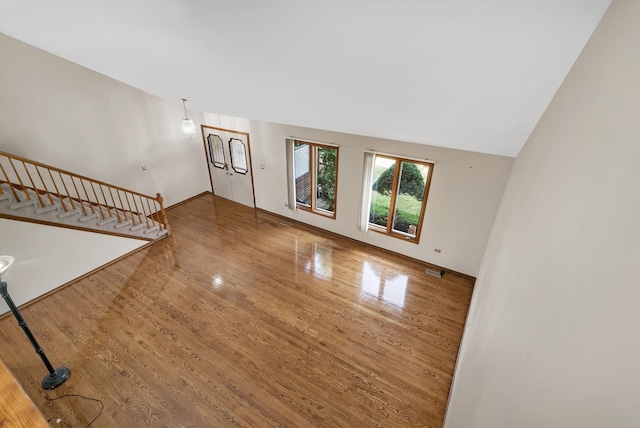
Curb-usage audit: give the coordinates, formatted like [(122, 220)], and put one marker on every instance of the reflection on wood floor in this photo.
[(238, 320)]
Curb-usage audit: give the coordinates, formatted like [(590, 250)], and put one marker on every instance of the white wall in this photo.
[(67, 116), (465, 191), (43, 254), (552, 335)]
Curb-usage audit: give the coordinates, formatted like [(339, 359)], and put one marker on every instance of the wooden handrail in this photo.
[(53, 168), (157, 216)]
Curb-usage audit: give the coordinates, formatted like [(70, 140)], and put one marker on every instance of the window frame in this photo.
[(212, 152), (389, 231), (237, 168), (313, 167)]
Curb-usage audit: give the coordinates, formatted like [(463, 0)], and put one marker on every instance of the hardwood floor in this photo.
[(238, 320)]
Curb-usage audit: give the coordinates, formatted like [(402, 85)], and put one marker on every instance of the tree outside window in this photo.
[(399, 196), (316, 175)]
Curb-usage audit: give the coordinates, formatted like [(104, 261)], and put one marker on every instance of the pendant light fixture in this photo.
[(188, 127)]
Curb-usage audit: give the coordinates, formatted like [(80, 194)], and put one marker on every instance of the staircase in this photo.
[(39, 193)]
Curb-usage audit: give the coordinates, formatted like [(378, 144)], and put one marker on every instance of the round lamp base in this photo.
[(51, 381)]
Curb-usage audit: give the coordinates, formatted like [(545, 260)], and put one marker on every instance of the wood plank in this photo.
[(238, 320), (16, 409)]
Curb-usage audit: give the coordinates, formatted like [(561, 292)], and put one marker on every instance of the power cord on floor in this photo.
[(62, 423), (59, 421)]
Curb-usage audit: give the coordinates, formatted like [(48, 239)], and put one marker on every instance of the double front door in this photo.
[(229, 164)]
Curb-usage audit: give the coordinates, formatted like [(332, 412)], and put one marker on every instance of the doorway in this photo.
[(229, 160)]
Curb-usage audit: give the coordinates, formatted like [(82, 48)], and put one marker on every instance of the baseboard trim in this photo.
[(207, 192), (310, 226)]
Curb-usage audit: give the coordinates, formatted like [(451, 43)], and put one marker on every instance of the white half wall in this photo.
[(59, 113), (48, 257), (552, 334), (466, 189)]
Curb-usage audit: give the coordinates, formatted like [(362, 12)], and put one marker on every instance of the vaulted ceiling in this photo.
[(465, 74)]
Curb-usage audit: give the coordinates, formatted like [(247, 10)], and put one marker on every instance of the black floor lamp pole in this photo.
[(56, 377)]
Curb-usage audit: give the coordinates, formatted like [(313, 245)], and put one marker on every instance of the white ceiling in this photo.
[(467, 74)]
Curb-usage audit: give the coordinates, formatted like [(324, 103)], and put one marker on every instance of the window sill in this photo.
[(398, 235), (326, 214)]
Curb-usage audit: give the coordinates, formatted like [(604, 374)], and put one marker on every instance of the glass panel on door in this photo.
[(238, 153), (216, 151)]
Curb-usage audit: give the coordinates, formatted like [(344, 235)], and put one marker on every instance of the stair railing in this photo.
[(75, 191)]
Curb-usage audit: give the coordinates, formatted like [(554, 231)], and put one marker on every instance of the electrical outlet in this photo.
[(437, 250)]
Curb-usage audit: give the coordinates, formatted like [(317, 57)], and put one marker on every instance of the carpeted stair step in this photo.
[(151, 229), (137, 227), (48, 205), (70, 213), (123, 224), (37, 200), (101, 219), (106, 221), (47, 208), (62, 203), (90, 216), (22, 204)]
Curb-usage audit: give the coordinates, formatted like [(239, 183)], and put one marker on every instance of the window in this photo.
[(216, 151), (315, 168), (238, 154), (398, 196)]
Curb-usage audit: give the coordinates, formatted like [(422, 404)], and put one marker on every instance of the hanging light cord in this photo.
[(185, 107)]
